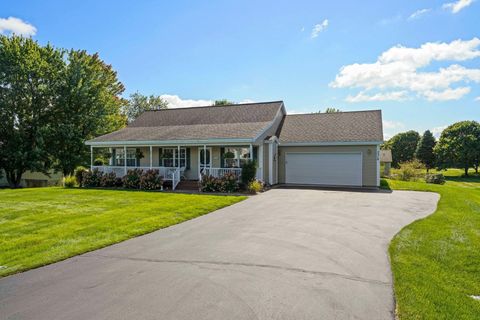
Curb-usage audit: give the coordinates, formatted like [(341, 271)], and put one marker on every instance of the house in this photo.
[(32, 179), (336, 149)]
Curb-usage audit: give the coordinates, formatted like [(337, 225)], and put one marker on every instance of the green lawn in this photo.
[(44, 225), (436, 260)]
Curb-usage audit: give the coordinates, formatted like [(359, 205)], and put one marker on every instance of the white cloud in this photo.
[(388, 96), (319, 28), (448, 94), (437, 131), (417, 14), (392, 124), (455, 7), (16, 26), (397, 70), (477, 99), (175, 101)]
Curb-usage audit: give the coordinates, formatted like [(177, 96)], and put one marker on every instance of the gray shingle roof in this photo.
[(355, 126), (243, 121)]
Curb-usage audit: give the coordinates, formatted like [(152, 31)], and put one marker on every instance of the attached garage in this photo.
[(324, 168)]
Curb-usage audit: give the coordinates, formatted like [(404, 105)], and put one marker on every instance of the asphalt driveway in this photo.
[(285, 254)]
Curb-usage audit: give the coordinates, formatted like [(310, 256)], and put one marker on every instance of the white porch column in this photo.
[(205, 155), (270, 163), (178, 157), (260, 163), (151, 157), (251, 152), (110, 160), (125, 159), (91, 157)]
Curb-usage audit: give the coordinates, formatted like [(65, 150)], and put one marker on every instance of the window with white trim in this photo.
[(131, 157), (170, 157), (240, 157)]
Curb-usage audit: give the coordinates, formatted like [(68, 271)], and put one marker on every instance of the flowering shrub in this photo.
[(255, 186), (132, 179), (227, 183), (91, 178), (150, 180), (108, 180)]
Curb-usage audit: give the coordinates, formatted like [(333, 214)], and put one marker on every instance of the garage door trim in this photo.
[(325, 152)]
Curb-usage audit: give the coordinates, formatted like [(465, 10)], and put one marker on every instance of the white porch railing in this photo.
[(173, 174), (219, 172)]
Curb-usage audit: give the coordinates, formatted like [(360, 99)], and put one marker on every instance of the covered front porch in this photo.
[(177, 162)]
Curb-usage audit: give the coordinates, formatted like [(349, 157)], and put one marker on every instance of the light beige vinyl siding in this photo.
[(369, 166)]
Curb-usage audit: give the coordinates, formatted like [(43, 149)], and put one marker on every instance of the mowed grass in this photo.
[(436, 261), (44, 225)]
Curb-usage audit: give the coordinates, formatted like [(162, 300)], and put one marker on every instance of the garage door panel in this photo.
[(324, 168)]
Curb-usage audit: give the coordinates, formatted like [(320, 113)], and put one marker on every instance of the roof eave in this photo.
[(328, 143), (219, 141)]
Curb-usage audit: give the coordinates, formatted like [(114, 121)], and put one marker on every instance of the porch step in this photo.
[(188, 185)]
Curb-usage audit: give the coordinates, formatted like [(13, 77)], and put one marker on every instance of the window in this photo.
[(131, 157), (170, 157), (240, 157)]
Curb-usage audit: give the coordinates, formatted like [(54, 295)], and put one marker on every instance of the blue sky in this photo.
[(280, 50)]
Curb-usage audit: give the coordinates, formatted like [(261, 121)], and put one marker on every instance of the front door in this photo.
[(204, 158)]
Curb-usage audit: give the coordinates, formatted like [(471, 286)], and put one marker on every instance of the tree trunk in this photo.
[(14, 178), (466, 171)]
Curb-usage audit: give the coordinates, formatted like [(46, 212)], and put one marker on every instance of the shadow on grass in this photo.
[(471, 178), (384, 185)]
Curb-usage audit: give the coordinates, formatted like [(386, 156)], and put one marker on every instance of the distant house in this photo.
[(35, 179), (386, 160), (335, 149)]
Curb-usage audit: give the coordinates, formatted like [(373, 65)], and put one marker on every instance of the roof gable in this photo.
[(231, 122), (241, 113)]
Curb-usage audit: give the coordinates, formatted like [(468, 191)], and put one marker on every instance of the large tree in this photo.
[(459, 145), (51, 101), (424, 152), (222, 102), (403, 146), (88, 104), (139, 103), (29, 80), (332, 110)]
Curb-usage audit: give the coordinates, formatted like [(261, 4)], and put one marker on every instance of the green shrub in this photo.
[(435, 178), (79, 175), (92, 179), (98, 162), (150, 180), (410, 170), (255, 186), (69, 181), (108, 180), (132, 179), (249, 171)]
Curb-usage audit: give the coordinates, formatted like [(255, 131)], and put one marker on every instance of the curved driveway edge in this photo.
[(285, 254)]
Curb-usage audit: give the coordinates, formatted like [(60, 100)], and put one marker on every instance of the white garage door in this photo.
[(338, 169)]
